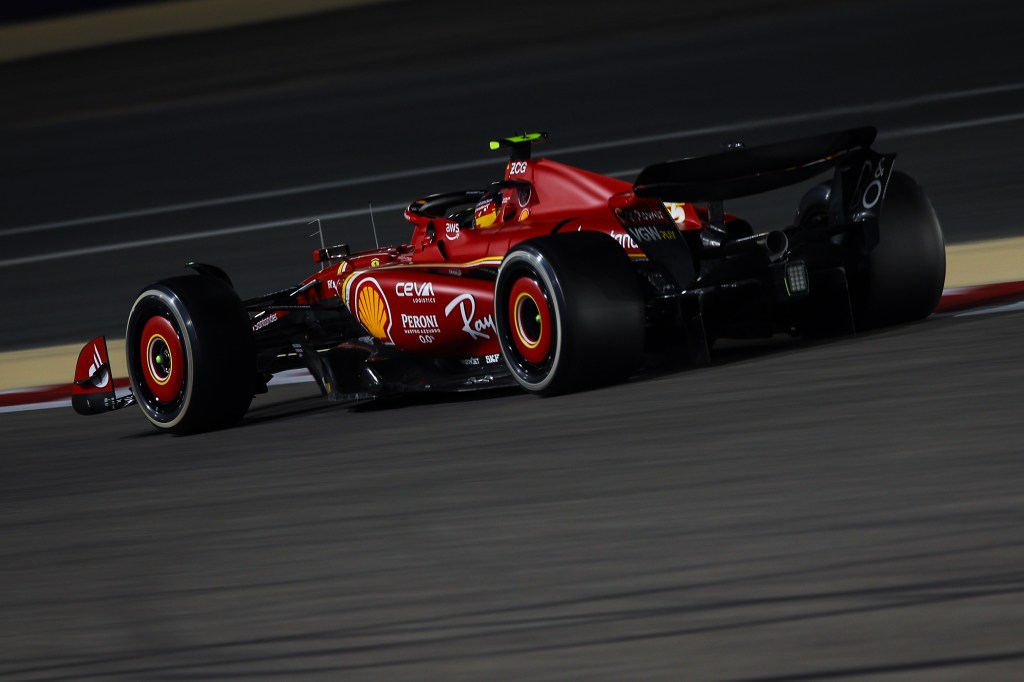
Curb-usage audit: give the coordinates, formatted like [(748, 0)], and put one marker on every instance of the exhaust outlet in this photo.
[(774, 244)]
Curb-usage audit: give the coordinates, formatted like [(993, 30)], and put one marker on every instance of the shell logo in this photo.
[(372, 310)]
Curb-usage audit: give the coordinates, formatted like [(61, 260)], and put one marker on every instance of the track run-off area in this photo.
[(844, 509), (973, 263)]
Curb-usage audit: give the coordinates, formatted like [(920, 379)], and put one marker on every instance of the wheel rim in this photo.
[(530, 335), (162, 359), (531, 321), (159, 358)]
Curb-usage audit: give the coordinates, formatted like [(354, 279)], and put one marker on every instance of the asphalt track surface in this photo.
[(844, 510)]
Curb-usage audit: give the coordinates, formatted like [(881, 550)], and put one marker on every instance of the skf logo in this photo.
[(372, 309)]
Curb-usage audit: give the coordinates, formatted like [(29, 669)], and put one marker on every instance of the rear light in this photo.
[(796, 277), (794, 280)]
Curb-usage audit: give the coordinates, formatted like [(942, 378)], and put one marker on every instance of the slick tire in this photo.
[(191, 354), (901, 279), (569, 313)]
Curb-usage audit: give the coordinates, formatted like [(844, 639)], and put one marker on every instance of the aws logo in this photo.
[(372, 309)]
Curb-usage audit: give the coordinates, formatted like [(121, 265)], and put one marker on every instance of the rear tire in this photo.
[(191, 354), (569, 313), (901, 279)]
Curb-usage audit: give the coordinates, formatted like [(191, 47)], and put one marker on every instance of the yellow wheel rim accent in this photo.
[(519, 327)]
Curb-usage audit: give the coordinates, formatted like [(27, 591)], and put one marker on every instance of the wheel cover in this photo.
[(530, 319), (531, 329), (162, 359)]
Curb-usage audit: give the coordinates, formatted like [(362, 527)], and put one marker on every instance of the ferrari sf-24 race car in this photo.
[(555, 279)]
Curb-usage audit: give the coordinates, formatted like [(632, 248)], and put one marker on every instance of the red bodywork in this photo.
[(496, 287), (424, 297)]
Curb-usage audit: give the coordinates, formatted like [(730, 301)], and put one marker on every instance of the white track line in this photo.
[(29, 407), (955, 125), (297, 376), (220, 232), (239, 229), (292, 376), (244, 198), (805, 117), (875, 107), (992, 310)]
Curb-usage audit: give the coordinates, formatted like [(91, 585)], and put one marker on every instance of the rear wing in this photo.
[(858, 184)]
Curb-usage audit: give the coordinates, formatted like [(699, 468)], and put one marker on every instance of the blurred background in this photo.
[(836, 511), (117, 156)]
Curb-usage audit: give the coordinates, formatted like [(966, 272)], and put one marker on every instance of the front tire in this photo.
[(190, 354), (569, 313)]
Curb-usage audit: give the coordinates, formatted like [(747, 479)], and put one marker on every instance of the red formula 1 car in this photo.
[(554, 278)]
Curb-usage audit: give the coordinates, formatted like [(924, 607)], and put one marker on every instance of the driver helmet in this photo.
[(486, 212)]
